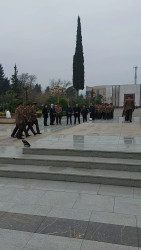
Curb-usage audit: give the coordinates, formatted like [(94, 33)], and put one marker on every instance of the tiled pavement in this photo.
[(38, 214), (51, 215)]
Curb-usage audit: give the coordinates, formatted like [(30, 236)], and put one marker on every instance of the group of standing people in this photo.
[(25, 118), (101, 111), (98, 111)]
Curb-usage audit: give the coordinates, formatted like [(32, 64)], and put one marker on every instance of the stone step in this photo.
[(130, 165), (84, 153), (108, 177)]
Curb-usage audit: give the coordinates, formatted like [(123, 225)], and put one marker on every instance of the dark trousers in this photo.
[(21, 129), (78, 116), (92, 115), (15, 130), (29, 124), (52, 119), (37, 125), (111, 115), (99, 115), (128, 115), (45, 120), (107, 116), (58, 118), (84, 118), (69, 117)]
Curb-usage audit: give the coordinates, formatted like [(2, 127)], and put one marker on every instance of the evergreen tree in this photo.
[(47, 89), (37, 88), (1, 73), (78, 61), (4, 82), (15, 86)]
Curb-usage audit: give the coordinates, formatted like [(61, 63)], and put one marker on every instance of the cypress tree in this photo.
[(15, 86), (78, 61)]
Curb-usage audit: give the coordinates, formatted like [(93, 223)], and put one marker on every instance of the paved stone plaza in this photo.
[(55, 215)]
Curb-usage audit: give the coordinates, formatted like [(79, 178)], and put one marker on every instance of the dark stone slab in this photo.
[(94, 231), (63, 227), (21, 222), (114, 234), (139, 236)]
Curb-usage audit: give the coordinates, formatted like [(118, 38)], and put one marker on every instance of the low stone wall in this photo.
[(4, 120)]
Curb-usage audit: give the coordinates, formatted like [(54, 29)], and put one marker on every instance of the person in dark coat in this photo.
[(76, 111), (84, 113), (69, 112), (52, 114), (45, 114)]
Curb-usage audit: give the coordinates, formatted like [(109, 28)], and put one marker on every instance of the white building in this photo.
[(117, 93)]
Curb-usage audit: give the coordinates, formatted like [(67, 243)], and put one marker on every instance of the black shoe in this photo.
[(28, 135), (14, 136), (26, 143), (39, 133)]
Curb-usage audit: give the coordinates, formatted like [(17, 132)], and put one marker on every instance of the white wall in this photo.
[(109, 94), (130, 89)]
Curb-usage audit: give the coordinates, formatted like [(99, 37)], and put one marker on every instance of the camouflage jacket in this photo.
[(58, 110), (129, 104), (19, 117), (27, 114), (33, 114)]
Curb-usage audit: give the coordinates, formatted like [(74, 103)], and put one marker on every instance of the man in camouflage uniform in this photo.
[(111, 111), (108, 110), (103, 109), (20, 123), (58, 111), (128, 109), (34, 117), (99, 111), (27, 116)]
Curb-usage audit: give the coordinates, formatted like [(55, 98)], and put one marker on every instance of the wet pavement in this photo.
[(57, 215)]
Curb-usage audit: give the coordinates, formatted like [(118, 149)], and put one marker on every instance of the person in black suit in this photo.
[(52, 114), (77, 111), (45, 114), (69, 112)]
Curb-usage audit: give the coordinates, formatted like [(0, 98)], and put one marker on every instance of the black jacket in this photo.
[(69, 111), (84, 112), (77, 111), (45, 112)]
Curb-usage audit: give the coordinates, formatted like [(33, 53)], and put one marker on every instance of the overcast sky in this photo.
[(40, 37)]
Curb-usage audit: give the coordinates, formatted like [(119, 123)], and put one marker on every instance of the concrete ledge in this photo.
[(7, 120), (118, 181), (87, 163), (83, 153)]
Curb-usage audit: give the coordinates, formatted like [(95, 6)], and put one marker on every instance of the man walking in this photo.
[(128, 109), (20, 123), (34, 117)]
